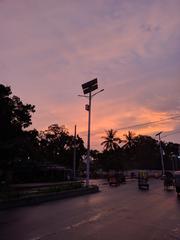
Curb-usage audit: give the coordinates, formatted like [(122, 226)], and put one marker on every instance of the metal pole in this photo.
[(173, 167), (88, 143), (175, 162), (74, 157), (161, 152)]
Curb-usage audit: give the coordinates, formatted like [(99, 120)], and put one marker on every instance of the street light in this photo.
[(74, 154), (161, 152), (88, 88)]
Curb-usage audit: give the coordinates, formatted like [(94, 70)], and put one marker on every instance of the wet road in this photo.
[(121, 212)]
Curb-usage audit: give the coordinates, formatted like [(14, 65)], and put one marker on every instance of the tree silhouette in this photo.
[(146, 152), (58, 146), (129, 139), (111, 141), (15, 117)]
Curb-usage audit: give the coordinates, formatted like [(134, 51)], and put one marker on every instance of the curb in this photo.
[(33, 200)]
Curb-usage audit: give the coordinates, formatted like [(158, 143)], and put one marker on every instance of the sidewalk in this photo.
[(44, 197)]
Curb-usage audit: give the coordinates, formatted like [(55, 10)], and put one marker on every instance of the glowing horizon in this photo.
[(49, 48)]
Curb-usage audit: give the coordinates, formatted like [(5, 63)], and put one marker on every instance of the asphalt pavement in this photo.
[(122, 212)]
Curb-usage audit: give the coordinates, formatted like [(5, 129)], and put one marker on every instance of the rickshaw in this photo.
[(168, 181), (177, 182), (113, 179), (143, 180), (121, 177)]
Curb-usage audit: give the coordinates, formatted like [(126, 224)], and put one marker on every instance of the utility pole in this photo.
[(161, 153), (88, 142), (74, 155), (88, 88)]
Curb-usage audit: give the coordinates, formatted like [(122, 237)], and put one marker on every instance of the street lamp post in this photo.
[(74, 153), (88, 141), (161, 153), (88, 88)]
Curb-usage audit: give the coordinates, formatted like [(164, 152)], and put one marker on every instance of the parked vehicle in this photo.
[(113, 179), (143, 180), (116, 178), (121, 177), (168, 181), (177, 182)]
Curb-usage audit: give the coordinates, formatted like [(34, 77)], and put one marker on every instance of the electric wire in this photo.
[(149, 123), (170, 134)]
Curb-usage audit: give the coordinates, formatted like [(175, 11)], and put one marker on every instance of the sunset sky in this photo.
[(48, 48)]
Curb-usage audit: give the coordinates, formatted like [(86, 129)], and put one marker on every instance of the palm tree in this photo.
[(129, 139), (111, 141)]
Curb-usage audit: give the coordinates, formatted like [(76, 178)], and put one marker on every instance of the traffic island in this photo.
[(49, 194)]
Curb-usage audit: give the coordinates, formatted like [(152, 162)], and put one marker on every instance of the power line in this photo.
[(171, 134), (149, 123)]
